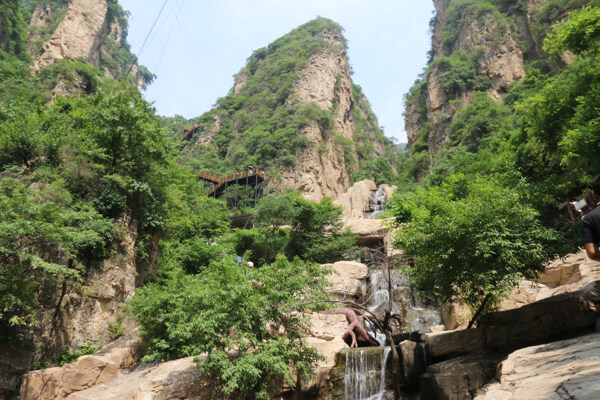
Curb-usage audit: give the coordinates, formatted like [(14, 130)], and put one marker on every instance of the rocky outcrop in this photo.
[(567, 369), (356, 198), (80, 34), (562, 276), (355, 201), (347, 280), (368, 231), (178, 379), (568, 297), (321, 170), (501, 39), (86, 372), (499, 57), (534, 323), (87, 29), (459, 378)]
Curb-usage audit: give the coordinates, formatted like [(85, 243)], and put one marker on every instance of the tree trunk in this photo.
[(479, 310)]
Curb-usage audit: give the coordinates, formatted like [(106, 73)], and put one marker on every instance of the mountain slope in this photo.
[(478, 46), (294, 112)]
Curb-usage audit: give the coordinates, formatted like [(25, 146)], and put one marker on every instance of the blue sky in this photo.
[(197, 46)]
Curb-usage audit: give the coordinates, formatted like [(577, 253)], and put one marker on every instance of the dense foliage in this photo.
[(487, 212), (13, 31), (474, 240), (68, 168), (537, 131), (66, 171), (242, 319)]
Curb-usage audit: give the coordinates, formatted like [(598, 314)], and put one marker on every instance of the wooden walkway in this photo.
[(250, 177)]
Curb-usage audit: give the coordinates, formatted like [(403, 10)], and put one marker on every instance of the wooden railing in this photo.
[(220, 181)]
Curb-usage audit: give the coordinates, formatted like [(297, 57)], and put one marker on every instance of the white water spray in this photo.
[(364, 377)]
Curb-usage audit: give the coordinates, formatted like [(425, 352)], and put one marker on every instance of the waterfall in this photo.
[(376, 203), (364, 376), (416, 316)]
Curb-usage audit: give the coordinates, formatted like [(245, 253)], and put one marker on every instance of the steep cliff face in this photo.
[(476, 46), (80, 33), (299, 117), (73, 316), (322, 171), (94, 30)]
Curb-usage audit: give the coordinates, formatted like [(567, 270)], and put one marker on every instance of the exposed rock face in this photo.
[(534, 323), (347, 279), (500, 58), (178, 379), (80, 34), (85, 31), (459, 378), (327, 326), (355, 200), (87, 371), (501, 53), (71, 318), (566, 369), (369, 231), (567, 275), (319, 174), (568, 296), (322, 170)]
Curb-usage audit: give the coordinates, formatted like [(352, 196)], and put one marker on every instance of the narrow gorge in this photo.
[(279, 245)]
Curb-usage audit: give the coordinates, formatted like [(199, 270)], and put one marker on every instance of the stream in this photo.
[(365, 367)]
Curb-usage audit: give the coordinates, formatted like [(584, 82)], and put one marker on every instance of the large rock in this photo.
[(60, 382), (534, 323), (351, 269), (413, 363), (330, 349), (86, 372), (356, 199), (563, 276), (346, 279), (368, 231), (328, 326), (178, 379), (459, 378), (567, 369)]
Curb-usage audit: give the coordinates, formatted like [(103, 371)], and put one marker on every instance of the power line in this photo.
[(147, 36), (169, 37), (188, 39)]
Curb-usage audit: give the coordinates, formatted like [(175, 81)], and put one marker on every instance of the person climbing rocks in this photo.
[(590, 225)]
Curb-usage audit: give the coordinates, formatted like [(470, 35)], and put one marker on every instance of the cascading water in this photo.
[(364, 376), (416, 316), (376, 203)]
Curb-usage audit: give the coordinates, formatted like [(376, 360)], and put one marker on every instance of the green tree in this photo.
[(35, 222), (580, 33), (13, 30), (473, 240), (244, 321), (316, 231)]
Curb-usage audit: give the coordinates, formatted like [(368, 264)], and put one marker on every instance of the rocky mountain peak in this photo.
[(313, 128), (89, 29)]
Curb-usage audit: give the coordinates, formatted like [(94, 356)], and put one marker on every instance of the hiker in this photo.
[(590, 225)]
